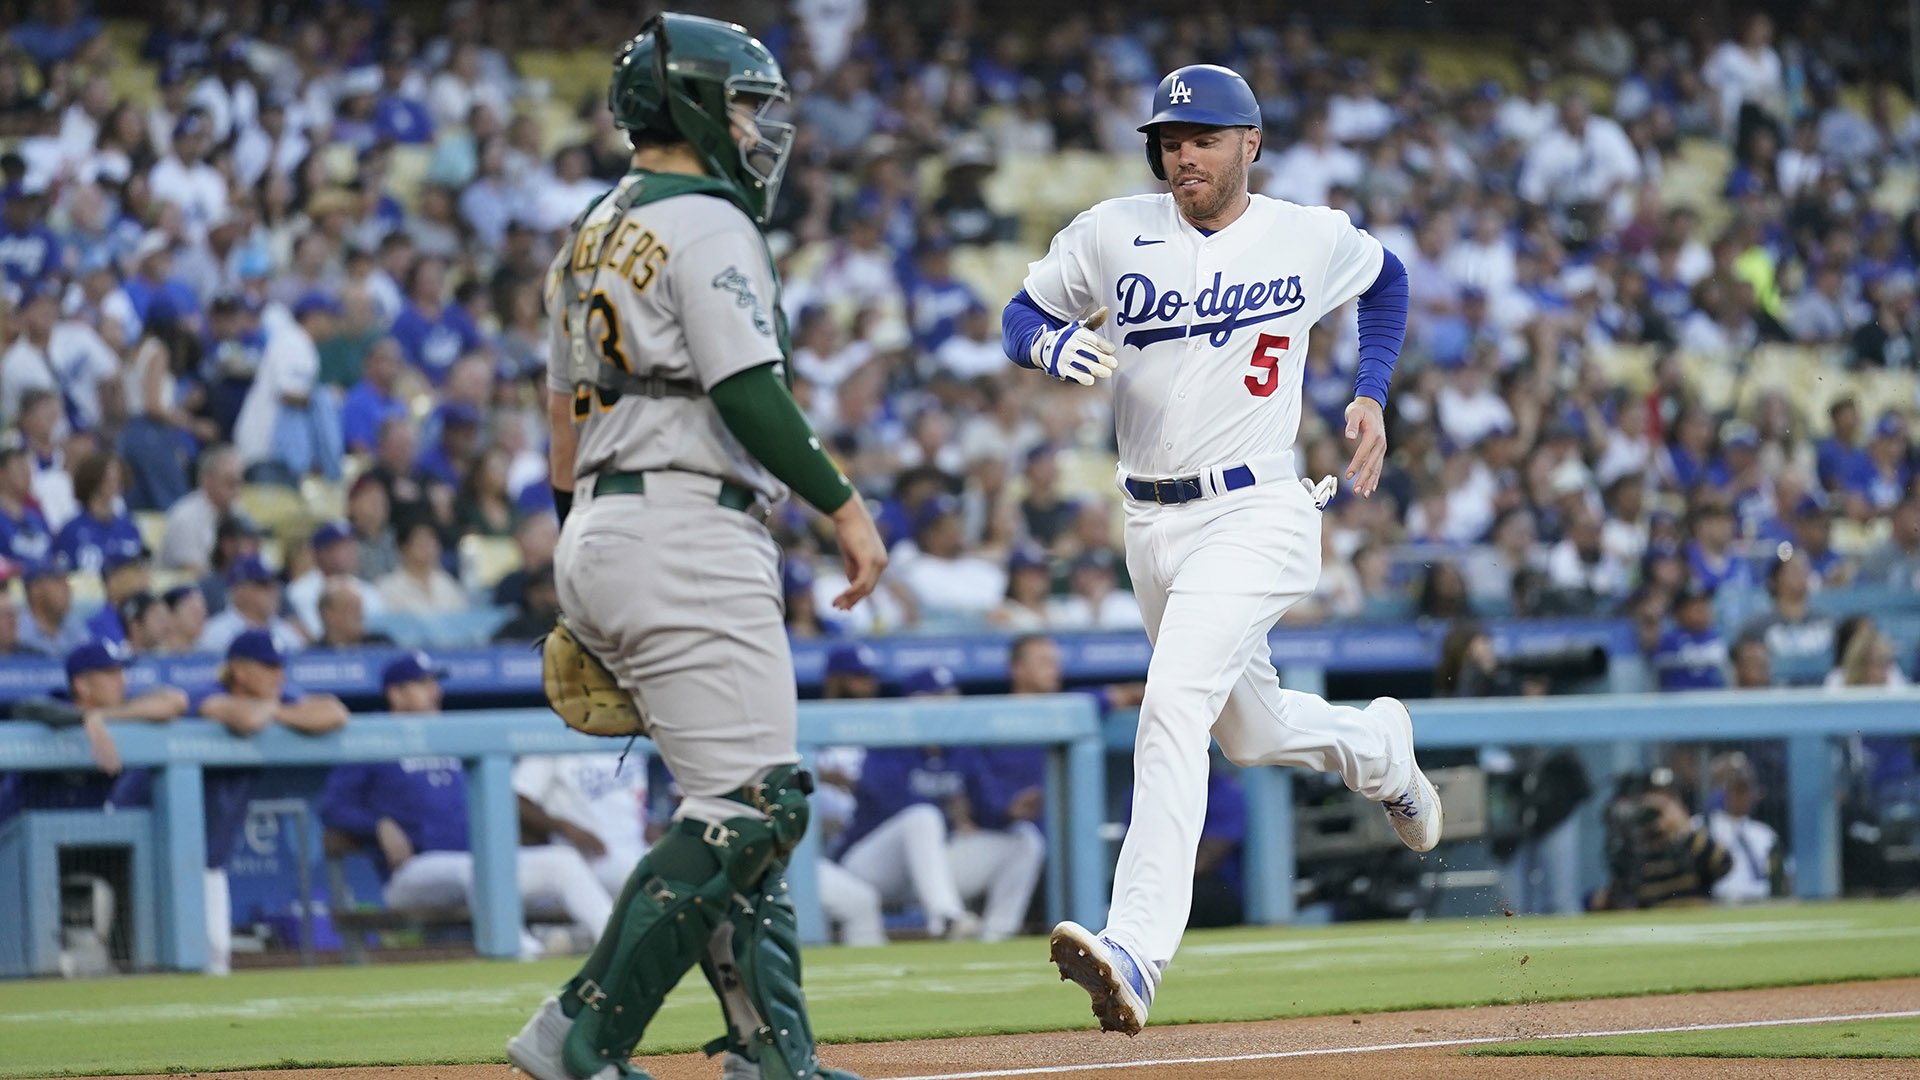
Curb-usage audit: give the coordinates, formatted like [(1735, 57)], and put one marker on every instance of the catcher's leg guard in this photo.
[(753, 963), (662, 922)]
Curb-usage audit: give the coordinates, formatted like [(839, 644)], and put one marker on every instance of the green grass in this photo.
[(1853, 1039), (462, 1012)]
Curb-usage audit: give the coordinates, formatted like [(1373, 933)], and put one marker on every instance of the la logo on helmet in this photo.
[(1181, 94)]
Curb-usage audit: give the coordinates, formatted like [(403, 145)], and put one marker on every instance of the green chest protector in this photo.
[(586, 366)]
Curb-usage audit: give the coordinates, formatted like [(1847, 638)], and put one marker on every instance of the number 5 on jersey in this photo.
[(1266, 359)]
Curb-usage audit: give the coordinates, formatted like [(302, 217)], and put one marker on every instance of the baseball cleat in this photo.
[(738, 1068), (1106, 972), (536, 1050), (1415, 813)]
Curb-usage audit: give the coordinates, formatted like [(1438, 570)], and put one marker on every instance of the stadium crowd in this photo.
[(312, 256)]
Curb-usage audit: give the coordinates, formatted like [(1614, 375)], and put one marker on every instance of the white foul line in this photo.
[(1051, 1069)]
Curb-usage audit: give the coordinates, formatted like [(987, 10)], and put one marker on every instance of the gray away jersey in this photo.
[(684, 292)]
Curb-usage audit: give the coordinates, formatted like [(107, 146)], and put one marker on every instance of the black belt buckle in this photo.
[(1168, 491)]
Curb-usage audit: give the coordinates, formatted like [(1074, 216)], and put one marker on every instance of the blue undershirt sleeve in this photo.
[(1021, 324), (1383, 328)]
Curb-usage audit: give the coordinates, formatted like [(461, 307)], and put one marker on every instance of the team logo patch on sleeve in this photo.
[(733, 281)]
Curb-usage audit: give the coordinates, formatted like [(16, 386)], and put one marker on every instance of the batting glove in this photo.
[(1075, 352)]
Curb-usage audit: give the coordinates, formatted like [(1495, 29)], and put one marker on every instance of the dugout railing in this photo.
[(1812, 723)]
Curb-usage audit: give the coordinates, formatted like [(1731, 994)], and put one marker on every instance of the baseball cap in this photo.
[(935, 508), (257, 646), (330, 534), (120, 553), (855, 659), (459, 412), (410, 667), (1891, 426), (1810, 506), (248, 570), (178, 594), (1027, 556), (95, 656), (927, 682), (1739, 433), (315, 302)]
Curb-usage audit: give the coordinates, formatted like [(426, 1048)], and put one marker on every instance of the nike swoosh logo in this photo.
[(1138, 242)]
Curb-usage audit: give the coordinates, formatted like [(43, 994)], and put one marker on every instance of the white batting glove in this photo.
[(1322, 492), (1075, 352)]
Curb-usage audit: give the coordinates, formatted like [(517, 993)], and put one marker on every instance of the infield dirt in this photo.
[(1327, 1048)]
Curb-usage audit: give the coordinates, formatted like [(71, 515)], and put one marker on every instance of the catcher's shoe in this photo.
[(735, 1067), (1106, 972), (536, 1050), (1415, 813)]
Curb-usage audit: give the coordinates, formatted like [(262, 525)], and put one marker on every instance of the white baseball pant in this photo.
[(552, 877), (905, 857), (1212, 577), (1003, 866), (851, 904), (219, 924)]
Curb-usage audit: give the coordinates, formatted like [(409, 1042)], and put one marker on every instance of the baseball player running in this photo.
[(674, 430), (1198, 302)]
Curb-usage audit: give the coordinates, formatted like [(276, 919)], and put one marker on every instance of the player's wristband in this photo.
[(562, 503)]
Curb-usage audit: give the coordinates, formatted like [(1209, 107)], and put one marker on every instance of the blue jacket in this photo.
[(425, 796)]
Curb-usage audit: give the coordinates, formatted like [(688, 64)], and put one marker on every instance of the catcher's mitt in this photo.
[(583, 691)]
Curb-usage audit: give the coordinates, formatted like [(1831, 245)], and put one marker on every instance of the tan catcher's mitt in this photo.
[(583, 691)]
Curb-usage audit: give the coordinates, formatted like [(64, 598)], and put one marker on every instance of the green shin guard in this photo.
[(753, 964), (664, 920)]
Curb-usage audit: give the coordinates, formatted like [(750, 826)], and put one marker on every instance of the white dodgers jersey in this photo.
[(1211, 329)]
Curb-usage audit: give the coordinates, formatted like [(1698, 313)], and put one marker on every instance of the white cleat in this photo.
[(1415, 813), (1107, 973), (536, 1051)]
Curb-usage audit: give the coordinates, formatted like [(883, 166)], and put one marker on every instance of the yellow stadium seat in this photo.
[(484, 560), (88, 590), (1712, 378), (152, 525), (276, 509), (326, 501)]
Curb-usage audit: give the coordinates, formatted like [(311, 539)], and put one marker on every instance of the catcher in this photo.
[(673, 433)]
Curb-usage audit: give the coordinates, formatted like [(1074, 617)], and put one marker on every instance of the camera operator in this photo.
[(1656, 855)]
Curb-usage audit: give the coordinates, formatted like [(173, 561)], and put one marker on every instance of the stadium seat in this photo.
[(475, 627), (274, 508), (152, 525), (484, 560)]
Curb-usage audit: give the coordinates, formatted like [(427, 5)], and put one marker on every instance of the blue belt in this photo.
[(1185, 488)]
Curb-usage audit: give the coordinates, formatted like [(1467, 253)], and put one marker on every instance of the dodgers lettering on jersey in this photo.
[(1212, 329)]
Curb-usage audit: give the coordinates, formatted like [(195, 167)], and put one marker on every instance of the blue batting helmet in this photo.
[(1200, 94)]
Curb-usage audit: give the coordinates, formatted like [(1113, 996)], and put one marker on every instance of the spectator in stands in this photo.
[(446, 461), (1711, 561), (412, 815), (147, 622), (102, 522), (62, 356), (593, 803), (1583, 161), (285, 431), (236, 538), (24, 536), (1027, 606), (1314, 164), (1691, 654), (1881, 476), (421, 585), (1751, 846), (1581, 568), (410, 495), (1752, 663), (253, 603), (125, 572), (41, 429), (29, 251), (374, 400), (10, 622), (343, 619), (187, 611), (368, 513), (539, 608), (250, 693), (159, 430), (336, 555), (1092, 602), (1864, 656), (1219, 888), (535, 537), (432, 332), (97, 688), (193, 523), (1443, 593), (1896, 563), (942, 578), (1795, 636), (1044, 511), (1812, 528), (52, 627)]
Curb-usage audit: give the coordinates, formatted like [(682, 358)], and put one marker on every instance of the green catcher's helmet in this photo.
[(713, 85)]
